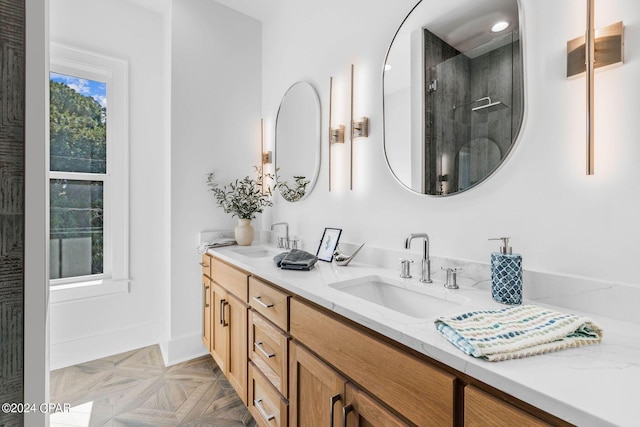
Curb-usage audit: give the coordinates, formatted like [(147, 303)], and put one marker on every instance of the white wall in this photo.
[(91, 328), (216, 104), (561, 220)]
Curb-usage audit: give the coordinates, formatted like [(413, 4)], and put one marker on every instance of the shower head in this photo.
[(491, 106)]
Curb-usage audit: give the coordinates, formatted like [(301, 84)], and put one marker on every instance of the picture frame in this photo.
[(328, 243)]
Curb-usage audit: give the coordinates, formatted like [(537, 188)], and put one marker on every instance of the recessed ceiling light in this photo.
[(499, 26)]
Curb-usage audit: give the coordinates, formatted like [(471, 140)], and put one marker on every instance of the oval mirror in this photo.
[(453, 93), (297, 144)]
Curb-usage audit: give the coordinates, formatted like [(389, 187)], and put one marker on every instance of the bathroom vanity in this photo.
[(301, 348)]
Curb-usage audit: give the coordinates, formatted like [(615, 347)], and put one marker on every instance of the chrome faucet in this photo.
[(426, 262), (283, 242)]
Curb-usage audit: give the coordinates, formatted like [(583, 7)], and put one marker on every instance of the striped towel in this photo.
[(516, 332)]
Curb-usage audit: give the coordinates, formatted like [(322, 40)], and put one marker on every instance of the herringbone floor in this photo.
[(134, 389)]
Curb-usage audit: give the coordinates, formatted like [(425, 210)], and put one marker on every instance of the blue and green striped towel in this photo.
[(516, 332)]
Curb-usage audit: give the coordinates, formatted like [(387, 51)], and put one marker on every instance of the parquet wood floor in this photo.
[(135, 389)]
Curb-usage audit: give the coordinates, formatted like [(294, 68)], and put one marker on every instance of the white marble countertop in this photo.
[(586, 386)]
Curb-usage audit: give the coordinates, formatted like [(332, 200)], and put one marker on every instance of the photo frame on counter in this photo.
[(328, 243)]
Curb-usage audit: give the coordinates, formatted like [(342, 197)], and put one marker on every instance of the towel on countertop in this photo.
[(216, 243), (516, 332), (295, 259)]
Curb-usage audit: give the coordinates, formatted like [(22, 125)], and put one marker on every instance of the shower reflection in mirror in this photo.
[(453, 106)]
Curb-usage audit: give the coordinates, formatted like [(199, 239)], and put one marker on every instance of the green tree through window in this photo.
[(78, 151)]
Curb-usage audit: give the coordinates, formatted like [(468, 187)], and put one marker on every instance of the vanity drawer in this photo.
[(482, 409), (269, 350), (230, 278), (270, 302), (417, 390), (266, 405), (206, 265)]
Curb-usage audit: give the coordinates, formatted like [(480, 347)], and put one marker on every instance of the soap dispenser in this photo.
[(506, 274)]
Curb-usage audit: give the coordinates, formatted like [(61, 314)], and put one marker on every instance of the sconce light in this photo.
[(336, 134), (597, 48), (266, 156), (359, 128)]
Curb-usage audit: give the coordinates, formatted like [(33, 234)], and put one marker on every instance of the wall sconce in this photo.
[(266, 156), (359, 128), (336, 134), (597, 48)]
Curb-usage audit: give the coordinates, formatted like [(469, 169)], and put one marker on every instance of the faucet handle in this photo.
[(405, 265), (452, 272)]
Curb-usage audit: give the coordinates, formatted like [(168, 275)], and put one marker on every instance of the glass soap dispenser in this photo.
[(506, 274)]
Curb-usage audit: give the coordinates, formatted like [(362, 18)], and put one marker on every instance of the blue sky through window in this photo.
[(85, 87)]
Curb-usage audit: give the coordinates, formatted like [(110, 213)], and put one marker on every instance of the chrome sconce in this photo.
[(597, 48)]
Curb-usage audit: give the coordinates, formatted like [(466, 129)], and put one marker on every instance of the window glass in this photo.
[(78, 124), (77, 221)]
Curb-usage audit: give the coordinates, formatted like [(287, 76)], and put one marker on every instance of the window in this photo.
[(88, 169)]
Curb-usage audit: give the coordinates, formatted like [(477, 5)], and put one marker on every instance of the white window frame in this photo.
[(114, 72)]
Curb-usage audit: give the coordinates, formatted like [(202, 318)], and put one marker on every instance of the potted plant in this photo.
[(243, 198)]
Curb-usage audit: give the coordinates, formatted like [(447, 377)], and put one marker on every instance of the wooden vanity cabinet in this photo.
[(206, 312), (317, 391), (482, 409), (229, 313), (296, 364), (361, 410), (422, 393)]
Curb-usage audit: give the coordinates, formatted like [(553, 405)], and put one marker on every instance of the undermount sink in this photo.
[(415, 300), (256, 251)]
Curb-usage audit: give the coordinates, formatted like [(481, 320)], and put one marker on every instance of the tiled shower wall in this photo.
[(12, 154), (460, 80)]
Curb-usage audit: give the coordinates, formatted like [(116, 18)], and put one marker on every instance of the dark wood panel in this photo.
[(12, 152)]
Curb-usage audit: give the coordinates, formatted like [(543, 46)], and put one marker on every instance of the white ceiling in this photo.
[(257, 9)]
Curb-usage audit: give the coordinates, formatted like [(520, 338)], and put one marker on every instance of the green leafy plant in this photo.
[(296, 193), (243, 198)]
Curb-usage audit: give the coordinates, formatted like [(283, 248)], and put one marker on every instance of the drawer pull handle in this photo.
[(223, 320), (262, 303), (258, 404), (258, 345), (346, 411), (206, 292), (204, 265), (335, 398)]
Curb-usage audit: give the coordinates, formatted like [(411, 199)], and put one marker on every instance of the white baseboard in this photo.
[(183, 348), (85, 349)]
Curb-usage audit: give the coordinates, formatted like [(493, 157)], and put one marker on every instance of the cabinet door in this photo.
[(316, 390), (219, 322), (362, 410), (236, 319), (483, 409), (206, 312)]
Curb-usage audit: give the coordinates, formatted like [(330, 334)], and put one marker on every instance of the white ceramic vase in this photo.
[(244, 232)]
